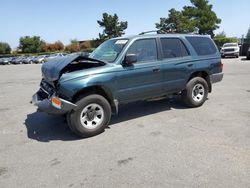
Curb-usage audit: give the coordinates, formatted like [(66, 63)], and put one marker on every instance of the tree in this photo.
[(30, 44), (74, 41), (204, 17), (221, 38), (200, 15), (112, 26), (181, 22), (57, 46), (72, 48), (221, 35), (248, 34), (4, 48)]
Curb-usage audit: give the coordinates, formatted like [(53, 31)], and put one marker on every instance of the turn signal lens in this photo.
[(56, 102)]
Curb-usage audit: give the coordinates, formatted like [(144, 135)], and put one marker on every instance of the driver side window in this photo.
[(144, 49)]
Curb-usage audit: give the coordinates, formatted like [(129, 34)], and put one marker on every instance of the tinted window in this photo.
[(144, 49), (202, 45), (173, 48)]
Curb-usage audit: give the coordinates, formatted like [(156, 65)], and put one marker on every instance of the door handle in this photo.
[(156, 70), (190, 65)]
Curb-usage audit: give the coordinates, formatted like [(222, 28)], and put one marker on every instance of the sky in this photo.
[(77, 19)]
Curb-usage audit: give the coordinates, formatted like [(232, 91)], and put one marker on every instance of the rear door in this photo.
[(176, 64), (144, 78)]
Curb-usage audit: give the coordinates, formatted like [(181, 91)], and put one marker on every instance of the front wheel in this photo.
[(196, 92), (91, 116)]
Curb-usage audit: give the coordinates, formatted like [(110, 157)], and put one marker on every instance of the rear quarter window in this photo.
[(173, 48), (202, 45)]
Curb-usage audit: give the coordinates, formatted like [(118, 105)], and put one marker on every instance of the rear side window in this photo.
[(202, 45), (173, 48)]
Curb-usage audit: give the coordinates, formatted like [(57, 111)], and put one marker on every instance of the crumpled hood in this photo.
[(52, 69)]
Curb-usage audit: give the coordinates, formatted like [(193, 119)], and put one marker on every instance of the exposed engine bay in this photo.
[(52, 70), (80, 64)]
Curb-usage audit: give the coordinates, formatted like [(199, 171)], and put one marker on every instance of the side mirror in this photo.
[(130, 59)]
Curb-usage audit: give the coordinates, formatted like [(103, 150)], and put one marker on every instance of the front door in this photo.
[(142, 79)]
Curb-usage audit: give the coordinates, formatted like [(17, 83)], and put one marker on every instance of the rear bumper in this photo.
[(216, 77), (45, 105)]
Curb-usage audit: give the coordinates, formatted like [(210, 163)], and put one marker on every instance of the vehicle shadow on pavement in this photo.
[(45, 128), (144, 108)]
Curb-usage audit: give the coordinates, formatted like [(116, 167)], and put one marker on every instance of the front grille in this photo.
[(46, 87), (229, 50)]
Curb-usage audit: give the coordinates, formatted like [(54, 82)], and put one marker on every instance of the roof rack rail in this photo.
[(146, 32), (170, 29)]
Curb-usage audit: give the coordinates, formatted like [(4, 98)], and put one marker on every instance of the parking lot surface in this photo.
[(149, 144)]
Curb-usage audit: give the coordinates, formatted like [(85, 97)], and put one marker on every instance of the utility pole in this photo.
[(242, 43)]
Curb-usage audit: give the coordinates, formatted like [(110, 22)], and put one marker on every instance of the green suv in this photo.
[(88, 89)]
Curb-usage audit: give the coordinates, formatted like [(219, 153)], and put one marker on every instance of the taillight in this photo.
[(221, 66)]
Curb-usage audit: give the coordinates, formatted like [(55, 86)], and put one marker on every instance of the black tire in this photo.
[(74, 116), (187, 94)]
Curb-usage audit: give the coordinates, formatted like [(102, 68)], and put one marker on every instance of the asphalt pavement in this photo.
[(149, 144)]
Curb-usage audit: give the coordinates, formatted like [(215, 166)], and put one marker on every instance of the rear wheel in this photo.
[(196, 92), (91, 116)]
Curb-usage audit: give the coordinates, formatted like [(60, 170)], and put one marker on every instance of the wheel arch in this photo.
[(202, 74), (100, 90)]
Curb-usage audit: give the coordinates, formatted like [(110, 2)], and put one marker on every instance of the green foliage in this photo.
[(74, 41), (221, 38), (221, 35), (4, 48), (200, 15), (182, 23), (112, 26), (219, 41), (248, 34), (29, 44)]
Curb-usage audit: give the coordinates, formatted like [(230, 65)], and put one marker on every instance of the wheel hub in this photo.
[(90, 115), (198, 92)]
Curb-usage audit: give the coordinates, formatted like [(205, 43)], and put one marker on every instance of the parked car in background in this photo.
[(28, 60), (124, 70), (248, 53), (5, 61), (52, 56), (230, 49), (40, 59), (18, 60)]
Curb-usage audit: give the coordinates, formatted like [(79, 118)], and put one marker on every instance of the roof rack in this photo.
[(146, 32), (169, 29)]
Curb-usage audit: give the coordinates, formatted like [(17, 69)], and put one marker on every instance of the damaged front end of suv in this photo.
[(52, 97)]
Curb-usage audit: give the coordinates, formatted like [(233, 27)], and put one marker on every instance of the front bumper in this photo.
[(45, 104), (216, 77), (233, 53)]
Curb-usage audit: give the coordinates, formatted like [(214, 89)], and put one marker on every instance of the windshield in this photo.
[(230, 45), (109, 50)]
